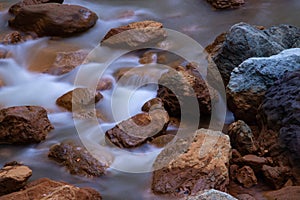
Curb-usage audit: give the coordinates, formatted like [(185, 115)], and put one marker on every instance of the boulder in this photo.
[(13, 37), (193, 164), (211, 195), (276, 176), (78, 160), (24, 124), (47, 189), (14, 9), (251, 79), (53, 19), (223, 4), (13, 178), (162, 141), (135, 34), (241, 137), (286, 193), (244, 41), (246, 177)]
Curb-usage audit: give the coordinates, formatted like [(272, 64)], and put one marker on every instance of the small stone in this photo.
[(246, 177)]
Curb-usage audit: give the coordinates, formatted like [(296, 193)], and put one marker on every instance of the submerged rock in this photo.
[(223, 4), (14, 9), (53, 19), (78, 160), (13, 178), (24, 124), (47, 189), (251, 79), (193, 164)]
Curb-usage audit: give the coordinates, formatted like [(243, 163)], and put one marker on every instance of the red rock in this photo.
[(13, 37), (246, 177), (286, 193), (253, 161), (24, 124), (276, 176), (14, 9)]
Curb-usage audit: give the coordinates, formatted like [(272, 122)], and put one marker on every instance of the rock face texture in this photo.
[(24, 124), (47, 189), (192, 164), (13, 37), (135, 34), (77, 160), (280, 112), (286, 193), (246, 177), (223, 4), (211, 195), (53, 19), (276, 176), (251, 79), (14, 9), (244, 41), (13, 178)]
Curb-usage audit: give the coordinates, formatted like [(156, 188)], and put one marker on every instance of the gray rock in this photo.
[(212, 195), (251, 79)]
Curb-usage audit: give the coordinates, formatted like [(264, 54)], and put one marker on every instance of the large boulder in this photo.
[(251, 79), (23, 124), (53, 19), (223, 4), (244, 41), (14, 9), (48, 189), (193, 164)]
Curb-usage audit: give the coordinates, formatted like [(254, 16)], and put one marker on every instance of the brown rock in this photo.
[(152, 104), (67, 61), (78, 160), (138, 129), (135, 34), (276, 176), (121, 72), (43, 19), (13, 178), (13, 37), (46, 189), (241, 137), (223, 4), (3, 53), (193, 164), (246, 177), (162, 141), (286, 193), (79, 99), (24, 124), (148, 57), (211, 195), (215, 47), (245, 197), (104, 84), (14, 9)]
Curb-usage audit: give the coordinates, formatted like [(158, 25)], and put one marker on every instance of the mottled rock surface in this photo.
[(46, 189), (251, 79), (135, 34), (193, 164), (53, 19), (14, 9), (13, 178), (24, 124), (246, 177), (211, 195), (78, 160), (276, 176), (223, 4), (286, 193), (13, 37)]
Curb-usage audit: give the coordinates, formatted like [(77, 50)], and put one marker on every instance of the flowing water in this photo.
[(25, 86)]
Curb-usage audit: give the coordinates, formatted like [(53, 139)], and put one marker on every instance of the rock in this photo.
[(216, 46), (139, 129), (244, 41), (182, 88), (193, 164), (15, 9), (105, 84), (286, 193), (242, 138), (245, 197), (79, 99), (23, 124), (121, 72), (13, 178), (211, 195), (223, 4), (78, 160), (47, 189), (135, 34), (162, 141), (152, 104), (148, 57), (253, 161), (251, 79), (246, 177), (67, 61), (53, 19), (280, 113), (3, 53), (13, 37), (276, 176)]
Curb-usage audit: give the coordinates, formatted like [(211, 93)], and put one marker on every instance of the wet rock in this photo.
[(48, 189), (148, 57), (15, 9), (246, 177), (251, 79), (280, 113), (139, 128), (43, 20), (244, 41), (286, 193), (104, 84), (152, 104), (67, 61), (23, 124), (121, 72), (79, 99), (13, 178), (13, 37), (3, 53), (162, 141), (223, 4), (78, 160), (242, 138), (276, 176), (193, 164), (245, 197), (135, 34), (211, 195)]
